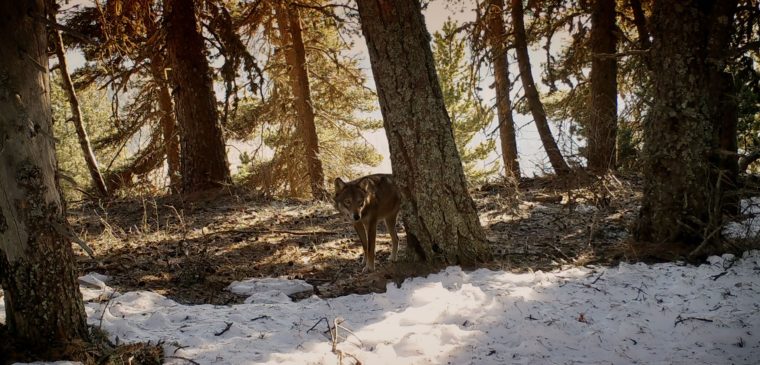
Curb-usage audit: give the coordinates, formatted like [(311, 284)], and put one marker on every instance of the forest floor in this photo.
[(191, 250)]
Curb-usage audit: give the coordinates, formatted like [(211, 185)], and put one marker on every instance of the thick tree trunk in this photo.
[(602, 129), (167, 121), (43, 305), (76, 117), (439, 215), (682, 200), (289, 22), (203, 157), (531, 93), (497, 36)]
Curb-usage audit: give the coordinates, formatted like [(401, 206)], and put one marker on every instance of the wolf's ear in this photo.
[(339, 184)]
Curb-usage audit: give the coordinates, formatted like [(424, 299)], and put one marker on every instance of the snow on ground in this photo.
[(750, 226), (269, 290), (632, 314)]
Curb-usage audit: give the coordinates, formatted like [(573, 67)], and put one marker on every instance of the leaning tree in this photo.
[(439, 215)]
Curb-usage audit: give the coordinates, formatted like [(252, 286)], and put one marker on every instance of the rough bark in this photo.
[(43, 305), (289, 22), (76, 116), (167, 121), (497, 36), (203, 158), (531, 93), (682, 200), (602, 128), (439, 215)]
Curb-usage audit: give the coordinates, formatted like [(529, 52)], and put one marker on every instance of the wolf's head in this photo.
[(349, 199)]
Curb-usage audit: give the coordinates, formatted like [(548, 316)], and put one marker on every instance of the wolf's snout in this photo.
[(356, 216)]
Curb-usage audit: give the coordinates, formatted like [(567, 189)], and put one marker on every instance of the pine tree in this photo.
[(468, 115)]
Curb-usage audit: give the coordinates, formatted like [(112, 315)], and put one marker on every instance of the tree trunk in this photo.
[(640, 20), (682, 200), (43, 305), (497, 36), (76, 117), (289, 23), (203, 157), (531, 93), (602, 129), (726, 110), (439, 215), (167, 121)]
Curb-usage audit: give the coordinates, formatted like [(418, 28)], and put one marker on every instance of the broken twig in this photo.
[(229, 324), (680, 319)]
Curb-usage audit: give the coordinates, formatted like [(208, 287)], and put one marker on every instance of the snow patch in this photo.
[(633, 313), (264, 285), (749, 227)]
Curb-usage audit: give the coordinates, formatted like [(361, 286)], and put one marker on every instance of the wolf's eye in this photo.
[(347, 201)]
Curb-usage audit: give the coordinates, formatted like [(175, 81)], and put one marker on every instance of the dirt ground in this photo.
[(191, 251)]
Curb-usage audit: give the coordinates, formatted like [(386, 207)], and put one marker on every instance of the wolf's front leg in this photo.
[(359, 227), (370, 252)]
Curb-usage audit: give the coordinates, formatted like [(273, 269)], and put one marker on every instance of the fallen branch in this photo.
[(568, 258), (102, 314), (67, 233), (318, 322), (179, 347), (335, 337), (260, 317), (597, 278), (229, 324), (680, 319), (282, 231)]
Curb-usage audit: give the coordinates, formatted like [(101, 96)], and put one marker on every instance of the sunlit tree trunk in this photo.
[(76, 116), (43, 306), (439, 215), (602, 128), (167, 121), (203, 157), (289, 23), (497, 37), (531, 93)]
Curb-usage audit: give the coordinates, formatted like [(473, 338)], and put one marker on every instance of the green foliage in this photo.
[(341, 105), (468, 114), (96, 112)]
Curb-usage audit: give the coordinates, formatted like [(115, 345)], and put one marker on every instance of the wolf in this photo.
[(364, 202)]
